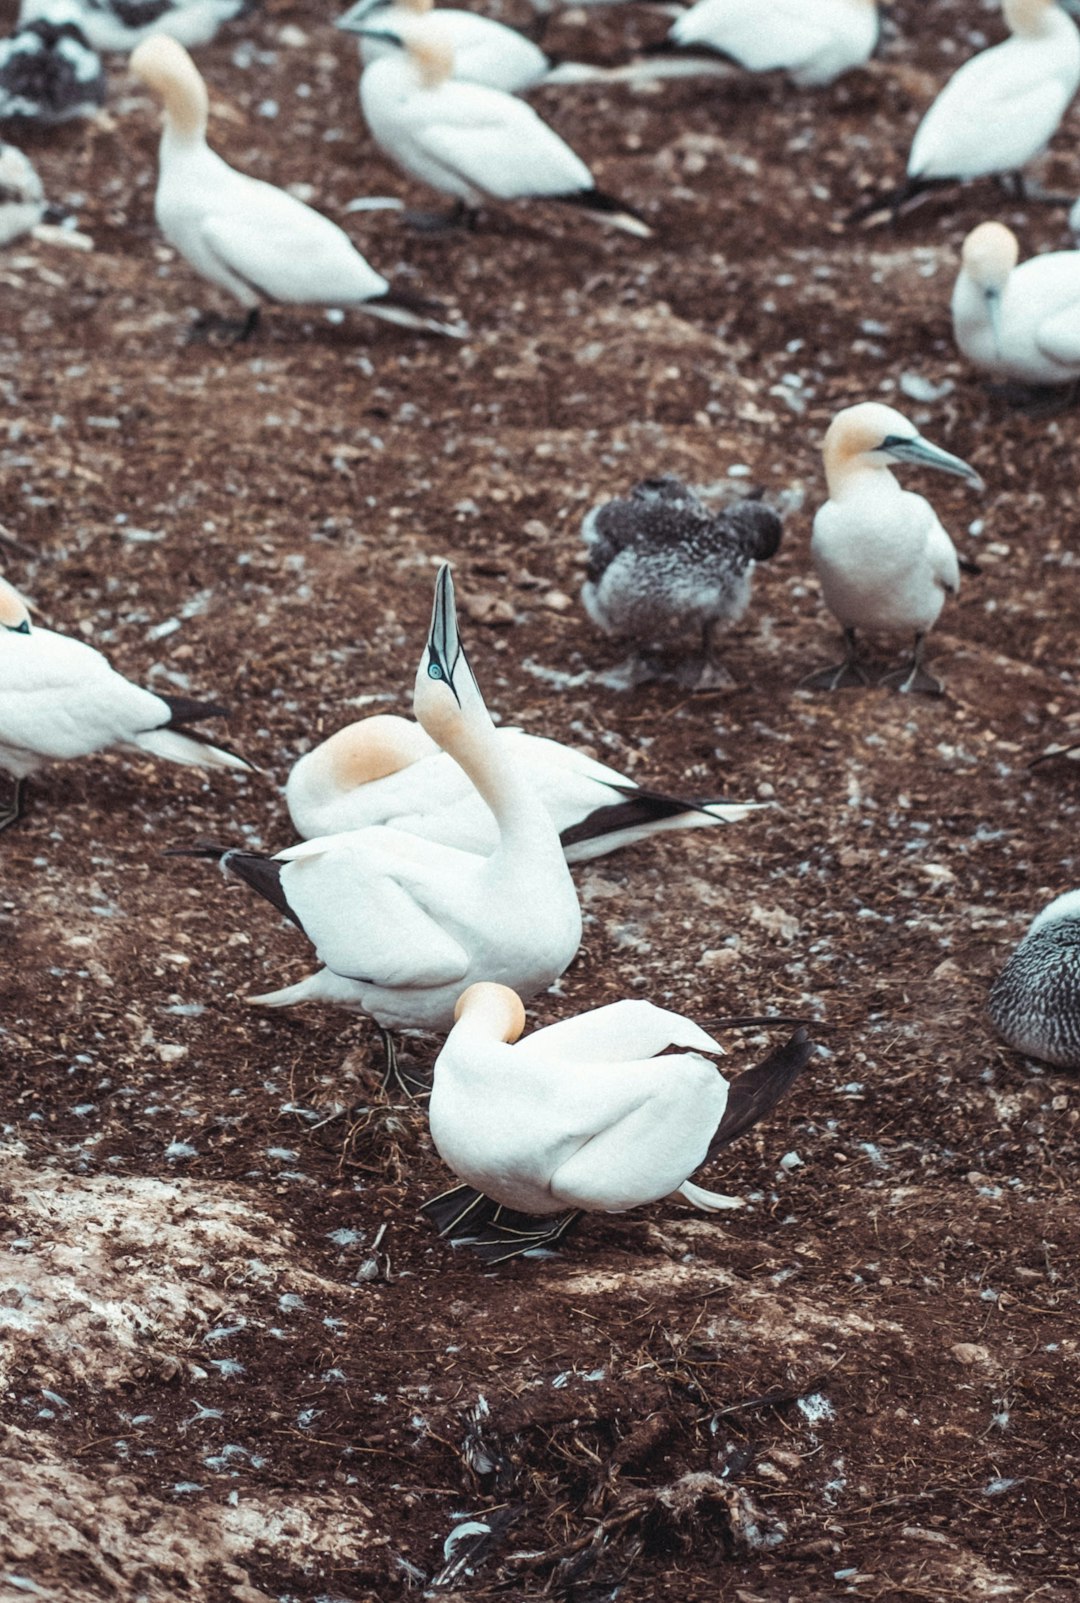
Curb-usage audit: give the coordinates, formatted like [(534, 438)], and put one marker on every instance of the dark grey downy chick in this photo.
[(661, 563), (1035, 1001)]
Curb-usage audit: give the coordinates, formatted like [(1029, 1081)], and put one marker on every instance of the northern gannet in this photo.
[(403, 924), (883, 559), (22, 199), (386, 770), (485, 51), (584, 1116), (467, 140), (246, 236), (661, 562), (48, 71), (59, 698), (123, 24), (1035, 1001), (1019, 323), (813, 41)]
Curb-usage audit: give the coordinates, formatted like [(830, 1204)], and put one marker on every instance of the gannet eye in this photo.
[(434, 671)]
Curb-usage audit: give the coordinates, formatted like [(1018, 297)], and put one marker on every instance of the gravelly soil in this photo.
[(237, 1364)]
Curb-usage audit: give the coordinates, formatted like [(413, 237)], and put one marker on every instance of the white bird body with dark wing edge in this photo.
[(120, 25), (813, 41), (1035, 1001)]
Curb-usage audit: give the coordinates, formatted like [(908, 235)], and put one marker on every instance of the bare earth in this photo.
[(237, 1365)]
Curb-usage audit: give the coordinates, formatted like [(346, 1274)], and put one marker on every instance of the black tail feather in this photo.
[(184, 710), (262, 873), (601, 204), (756, 1092)]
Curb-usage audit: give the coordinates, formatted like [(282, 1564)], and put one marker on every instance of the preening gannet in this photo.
[(386, 770), (813, 41), (485, 51), (1019, 323), (22, 199), (584, 1116), (661, 562), (1035, 1001), (467, 140), (48, 71), (883, 559), (123, 24), (59, 698), (404, 924), (246, 236)]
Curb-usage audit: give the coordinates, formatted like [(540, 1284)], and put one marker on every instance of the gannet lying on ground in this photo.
[(123, 24), (661, 562), (584, 1116), (467, 140), (1035, 1001), (48, 71), (59, 698), (813, 41), (386, 770), (1019, 323), (249, 237), (883, 559), (22, 199), (404, 924)]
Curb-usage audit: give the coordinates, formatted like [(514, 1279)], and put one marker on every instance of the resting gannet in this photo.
[(403, 924), (661, 562), (122, 24), (59, 698), (1019, 323), (813, 41), (584, 1116), (485, 51), (48, 71), (386, 770), (883, 559), (1035, 1001), (22, 199), (247, 236), (465, 139)]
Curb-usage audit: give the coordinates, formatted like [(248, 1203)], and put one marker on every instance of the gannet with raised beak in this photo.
[(49, 73), (122, 24), (251, 238), (403, 924), (1035, 1000), (59, 698), (884, 561), (813, 41), (1018, 322), (386, 770), (593, 1114), (467, 140)]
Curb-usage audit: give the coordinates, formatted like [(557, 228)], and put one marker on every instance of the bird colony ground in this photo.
[(237, 1365)]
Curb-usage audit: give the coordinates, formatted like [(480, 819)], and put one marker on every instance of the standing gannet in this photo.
[(467, 140), (403, 924), (884, 561), (1019, 323), (1035, 1001), (48, 71), (59, 698), (661, 562), (584, 1116), (813, 41), (247, 236), (123, 24), (386, 770)]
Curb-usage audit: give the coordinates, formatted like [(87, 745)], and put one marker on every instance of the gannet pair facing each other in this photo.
[(386, 770), (813, 41), (884, 561), (59, 698), (1035, 1001), (583, 1116), (465, 139), (49, 73), (251, 238), (1020, 323), (404, 924), (123, 24), (661, 562)]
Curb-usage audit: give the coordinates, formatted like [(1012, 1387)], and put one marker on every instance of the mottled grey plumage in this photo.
[(48, 73), (661, 562), (1035, 1001)]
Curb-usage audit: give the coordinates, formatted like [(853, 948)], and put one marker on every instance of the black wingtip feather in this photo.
[(494, 1233), (262, 873), (756, 1092)]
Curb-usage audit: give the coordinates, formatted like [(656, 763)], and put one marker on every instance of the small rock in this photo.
[(484, 607)]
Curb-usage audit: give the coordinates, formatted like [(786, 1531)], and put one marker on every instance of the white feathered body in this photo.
[(192, 22), (485, 51), (814, 41), (1038, 317), (22, 199)]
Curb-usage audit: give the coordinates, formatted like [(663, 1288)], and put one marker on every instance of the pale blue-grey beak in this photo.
[(919, 451)]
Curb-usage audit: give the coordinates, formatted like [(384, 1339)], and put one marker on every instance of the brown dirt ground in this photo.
[(238, 1365)]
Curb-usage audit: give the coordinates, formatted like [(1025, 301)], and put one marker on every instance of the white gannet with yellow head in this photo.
[(465, 139), (593, 1114), (884, 561), (813, 41), (485, 51), (248, 237), (59, 698), (385, 770), (1018, 322), (402, 923)]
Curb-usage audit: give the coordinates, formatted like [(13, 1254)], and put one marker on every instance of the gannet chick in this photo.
[(404, 924), (123, 24), (22, 199), (813, 41), (1018, 323), (385, 770), (1035, 1000), (883, 559), (584, 1116), (59, 698), (48, 71), (247, 236), (661, 562), (467, 140)]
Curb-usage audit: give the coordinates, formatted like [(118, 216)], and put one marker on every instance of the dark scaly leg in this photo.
[(914, 678), (14, 809)]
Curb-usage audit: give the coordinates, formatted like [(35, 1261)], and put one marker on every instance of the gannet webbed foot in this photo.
[(14, 809), (237, 329), (706, 674), (494, 1233), (845, 675), (913, 680), (394, 1076)]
